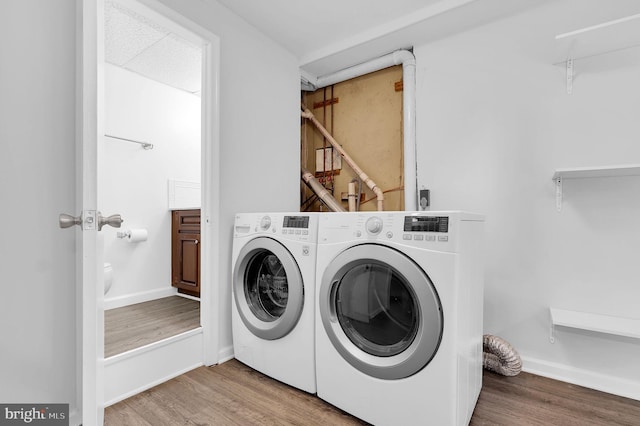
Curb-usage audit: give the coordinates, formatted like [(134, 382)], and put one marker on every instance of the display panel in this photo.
[(426, 224), (296, 222)]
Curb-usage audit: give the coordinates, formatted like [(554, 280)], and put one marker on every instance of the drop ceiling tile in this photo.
[(128, 33), (172, 61)]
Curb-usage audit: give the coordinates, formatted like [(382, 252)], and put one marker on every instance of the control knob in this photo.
[(374, 225), (265, 223)]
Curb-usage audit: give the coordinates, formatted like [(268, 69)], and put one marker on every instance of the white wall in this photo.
[(259, 130), (494, 121), (37, 169), (259, 152), (132, 181)]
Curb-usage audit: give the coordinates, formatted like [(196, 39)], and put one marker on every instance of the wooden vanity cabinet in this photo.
[(185, 251)]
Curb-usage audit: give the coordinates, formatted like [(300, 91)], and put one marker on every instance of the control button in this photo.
[(389, 234), (406, 236), (298, 232), (418, 237), (374, 225), (305, 232), (443, 238), (358, 233), (430, 238)]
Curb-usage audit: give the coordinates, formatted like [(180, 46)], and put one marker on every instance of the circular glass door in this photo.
[(380, 311), (268, 288)]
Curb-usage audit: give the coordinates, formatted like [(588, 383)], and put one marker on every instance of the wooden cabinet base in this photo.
[(185, 251)]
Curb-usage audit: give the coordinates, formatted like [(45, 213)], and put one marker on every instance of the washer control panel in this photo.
[(297, 227)]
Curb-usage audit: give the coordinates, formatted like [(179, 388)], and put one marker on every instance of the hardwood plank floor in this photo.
[(137, 325), (234, 394)]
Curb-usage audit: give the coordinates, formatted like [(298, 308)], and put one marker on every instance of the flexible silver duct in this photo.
[(500, 357)]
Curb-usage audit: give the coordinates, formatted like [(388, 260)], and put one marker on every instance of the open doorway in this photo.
[(157, 150), (148, 167)]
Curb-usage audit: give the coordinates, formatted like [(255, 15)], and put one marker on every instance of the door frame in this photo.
[(89, 125)]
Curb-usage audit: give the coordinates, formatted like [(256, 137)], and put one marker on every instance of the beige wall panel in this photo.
[(367, 122)]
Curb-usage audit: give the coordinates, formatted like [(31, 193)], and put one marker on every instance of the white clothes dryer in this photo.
[(399, 315), (273, 290)]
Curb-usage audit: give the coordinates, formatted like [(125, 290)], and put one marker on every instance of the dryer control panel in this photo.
[(429, 230)]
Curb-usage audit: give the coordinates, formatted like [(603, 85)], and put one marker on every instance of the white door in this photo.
[(89, 261)]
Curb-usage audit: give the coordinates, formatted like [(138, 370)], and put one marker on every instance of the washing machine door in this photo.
[(381, 311), (268, 288)]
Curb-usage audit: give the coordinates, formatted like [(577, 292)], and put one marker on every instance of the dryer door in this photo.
[(268, 288), (381, 311)]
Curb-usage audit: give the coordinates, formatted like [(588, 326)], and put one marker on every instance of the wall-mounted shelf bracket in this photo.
[(569, 76), (558, 181)]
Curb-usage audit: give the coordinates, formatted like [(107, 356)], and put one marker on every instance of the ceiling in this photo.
[(306, 26), (326, 36), (134, 42), (329, 35)]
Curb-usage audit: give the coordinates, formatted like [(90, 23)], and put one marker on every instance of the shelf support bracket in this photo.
[(569, 76), (552, 328), (559, 193)]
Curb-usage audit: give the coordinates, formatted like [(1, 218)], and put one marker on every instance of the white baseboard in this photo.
[(588, 379), (75, 419), (144, 296), (225, 354)]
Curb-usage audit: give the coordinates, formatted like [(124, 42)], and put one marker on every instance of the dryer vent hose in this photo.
[(500, 357)]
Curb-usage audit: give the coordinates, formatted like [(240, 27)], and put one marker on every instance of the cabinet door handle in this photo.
[(195, 241)]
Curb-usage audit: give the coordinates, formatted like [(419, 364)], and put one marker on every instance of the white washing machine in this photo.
[(399, 315), (273, 307)]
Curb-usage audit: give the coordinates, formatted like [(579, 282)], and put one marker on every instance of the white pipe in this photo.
[(408, 62), (320, 191), (352, 196), (306, 113)]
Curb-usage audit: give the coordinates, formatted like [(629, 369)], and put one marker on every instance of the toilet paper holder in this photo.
[(124, 234), (133, 235)]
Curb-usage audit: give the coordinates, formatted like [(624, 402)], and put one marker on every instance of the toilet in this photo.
[(108, 277)]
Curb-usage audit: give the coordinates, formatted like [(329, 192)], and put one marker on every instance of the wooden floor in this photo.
[(234, 394), (137, 325)]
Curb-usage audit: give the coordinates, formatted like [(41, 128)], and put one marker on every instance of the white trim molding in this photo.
[(577, 376)]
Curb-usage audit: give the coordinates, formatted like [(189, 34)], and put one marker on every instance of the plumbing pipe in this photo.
[(500, 357), (352, 196), (322, 192), (306, 113), (408, 62)]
